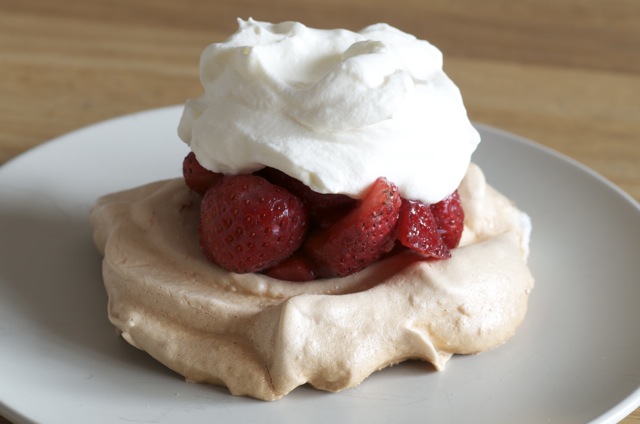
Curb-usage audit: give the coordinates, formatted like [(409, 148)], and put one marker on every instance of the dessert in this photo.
[(305, 117)]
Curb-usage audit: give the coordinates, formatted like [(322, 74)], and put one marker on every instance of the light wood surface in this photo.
[(565, 73)]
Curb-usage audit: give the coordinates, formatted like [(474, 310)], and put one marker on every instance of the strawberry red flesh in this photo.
[(418, 230), (449, 217), (197, 177), (359, 238), (295, 268), (324, 209), (248, 224), (259, 223)]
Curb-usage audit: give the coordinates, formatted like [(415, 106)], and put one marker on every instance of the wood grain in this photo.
[(565, 73)]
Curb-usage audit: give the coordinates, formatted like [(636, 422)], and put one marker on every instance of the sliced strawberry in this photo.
[(324, 209), (248, 224), (295, 268), (198, 178), (449, 216), (359, 238), (418, 230)]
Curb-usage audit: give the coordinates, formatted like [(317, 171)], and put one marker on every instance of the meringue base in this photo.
[(263, 337)]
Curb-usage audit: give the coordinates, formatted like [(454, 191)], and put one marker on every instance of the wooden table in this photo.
[(565, 73)]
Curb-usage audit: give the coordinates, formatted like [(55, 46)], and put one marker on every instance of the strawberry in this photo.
[(359, 238), (295, 268), (248, 224), (449, 216), (324, 209), (196, 176), (418, 230)]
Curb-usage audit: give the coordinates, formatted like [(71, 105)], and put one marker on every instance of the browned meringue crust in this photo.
[(263, 337)]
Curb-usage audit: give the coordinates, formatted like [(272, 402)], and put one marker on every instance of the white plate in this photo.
[(575, 359)]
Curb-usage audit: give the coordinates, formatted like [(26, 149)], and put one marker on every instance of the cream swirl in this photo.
[(335, 109)]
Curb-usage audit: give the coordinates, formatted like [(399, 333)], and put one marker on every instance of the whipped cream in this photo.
[(334, 109)]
